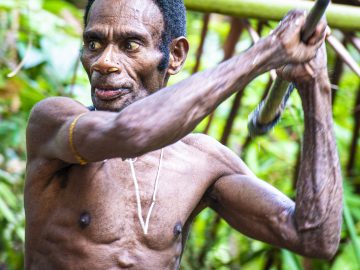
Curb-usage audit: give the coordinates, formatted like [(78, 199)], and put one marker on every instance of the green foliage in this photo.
[(48, 34), (24, 34)]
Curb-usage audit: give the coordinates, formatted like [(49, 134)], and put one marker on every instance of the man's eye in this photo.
[(94, 45), (132, 46)]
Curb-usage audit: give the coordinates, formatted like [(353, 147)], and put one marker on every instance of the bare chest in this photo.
[(106, 202)]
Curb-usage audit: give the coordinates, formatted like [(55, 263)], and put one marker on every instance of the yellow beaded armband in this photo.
[(78, 157)]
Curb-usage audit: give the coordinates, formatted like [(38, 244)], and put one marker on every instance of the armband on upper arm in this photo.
[(79, 158)]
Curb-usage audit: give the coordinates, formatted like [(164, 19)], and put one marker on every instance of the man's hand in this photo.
[(307, 72), (315, 68), (288, 34)]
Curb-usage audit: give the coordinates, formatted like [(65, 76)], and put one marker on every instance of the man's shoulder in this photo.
[(52, 112), (53, 105), (200, 140), (205, 143), (46, 118), (219, 154)]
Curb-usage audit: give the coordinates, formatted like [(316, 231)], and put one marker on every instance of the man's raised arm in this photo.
[(57, 132), (319, 187), (312, 225)]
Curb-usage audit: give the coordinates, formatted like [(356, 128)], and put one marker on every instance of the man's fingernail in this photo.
[(328, 31), (309, 70), (273, 39)]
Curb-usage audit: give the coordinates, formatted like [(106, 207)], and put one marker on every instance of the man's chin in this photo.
[(111, 106)]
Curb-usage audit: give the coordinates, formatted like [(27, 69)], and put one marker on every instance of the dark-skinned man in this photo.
[(118, 187)]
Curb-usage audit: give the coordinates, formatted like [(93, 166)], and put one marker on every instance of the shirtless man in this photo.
[(118, 187)]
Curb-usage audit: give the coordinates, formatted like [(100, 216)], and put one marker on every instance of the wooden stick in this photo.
[(355, 41), (356, 134), (340, 49), (200, 50), (268, 113), (229, 50)]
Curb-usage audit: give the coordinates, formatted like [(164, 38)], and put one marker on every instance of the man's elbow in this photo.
[(322, 242), (330, 252), (323, 250)]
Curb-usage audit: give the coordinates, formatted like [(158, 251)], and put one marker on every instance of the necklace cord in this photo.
[(145, 225)]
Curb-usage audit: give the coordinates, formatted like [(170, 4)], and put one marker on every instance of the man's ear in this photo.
[(179, 49)]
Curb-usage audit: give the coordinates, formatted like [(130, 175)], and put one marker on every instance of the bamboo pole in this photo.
[(344, 17)]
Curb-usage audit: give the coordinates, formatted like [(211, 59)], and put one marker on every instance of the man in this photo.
[(118, 187)]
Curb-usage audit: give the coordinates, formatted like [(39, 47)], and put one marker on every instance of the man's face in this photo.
[(121, 52)]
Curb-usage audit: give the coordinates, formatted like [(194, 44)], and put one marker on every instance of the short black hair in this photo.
[(174, 15)]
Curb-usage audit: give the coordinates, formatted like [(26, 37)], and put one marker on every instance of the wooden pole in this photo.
[(355, 137), (200, 50), (344, 17), (229, 50)]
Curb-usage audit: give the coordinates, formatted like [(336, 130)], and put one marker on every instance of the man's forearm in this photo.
[(319, 187), (173, 112)]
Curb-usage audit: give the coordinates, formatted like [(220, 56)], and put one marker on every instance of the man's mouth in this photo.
[(110, 94)]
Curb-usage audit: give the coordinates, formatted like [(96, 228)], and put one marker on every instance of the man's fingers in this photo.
[(309, 70), (297, 20), (319, 34), (292, 23), (328, 31)]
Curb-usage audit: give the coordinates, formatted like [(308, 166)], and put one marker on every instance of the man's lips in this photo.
[(110, 94)]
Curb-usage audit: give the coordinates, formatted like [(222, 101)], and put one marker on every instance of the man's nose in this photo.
[(106, 63)]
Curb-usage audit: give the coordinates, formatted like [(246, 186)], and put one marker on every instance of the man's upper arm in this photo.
[(252, 206), (256, 209), (46, 131), (96, 136)]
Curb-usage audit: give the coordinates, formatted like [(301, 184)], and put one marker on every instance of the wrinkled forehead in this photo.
[(122, 12)]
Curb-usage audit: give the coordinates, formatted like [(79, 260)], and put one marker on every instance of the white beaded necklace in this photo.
[(145, 225)]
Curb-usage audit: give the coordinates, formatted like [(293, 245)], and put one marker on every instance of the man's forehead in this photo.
[(113, 11)]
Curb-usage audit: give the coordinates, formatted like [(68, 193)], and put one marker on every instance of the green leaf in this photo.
[(8, 196), (290, 262), (6, 212), (7, 177)]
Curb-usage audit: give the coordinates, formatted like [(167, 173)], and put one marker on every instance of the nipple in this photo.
[(85, 220), (178, 229)]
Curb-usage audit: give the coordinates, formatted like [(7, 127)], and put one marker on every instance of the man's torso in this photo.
[(86, 217)]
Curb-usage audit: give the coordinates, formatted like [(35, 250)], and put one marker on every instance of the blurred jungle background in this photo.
[(40, 41)]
